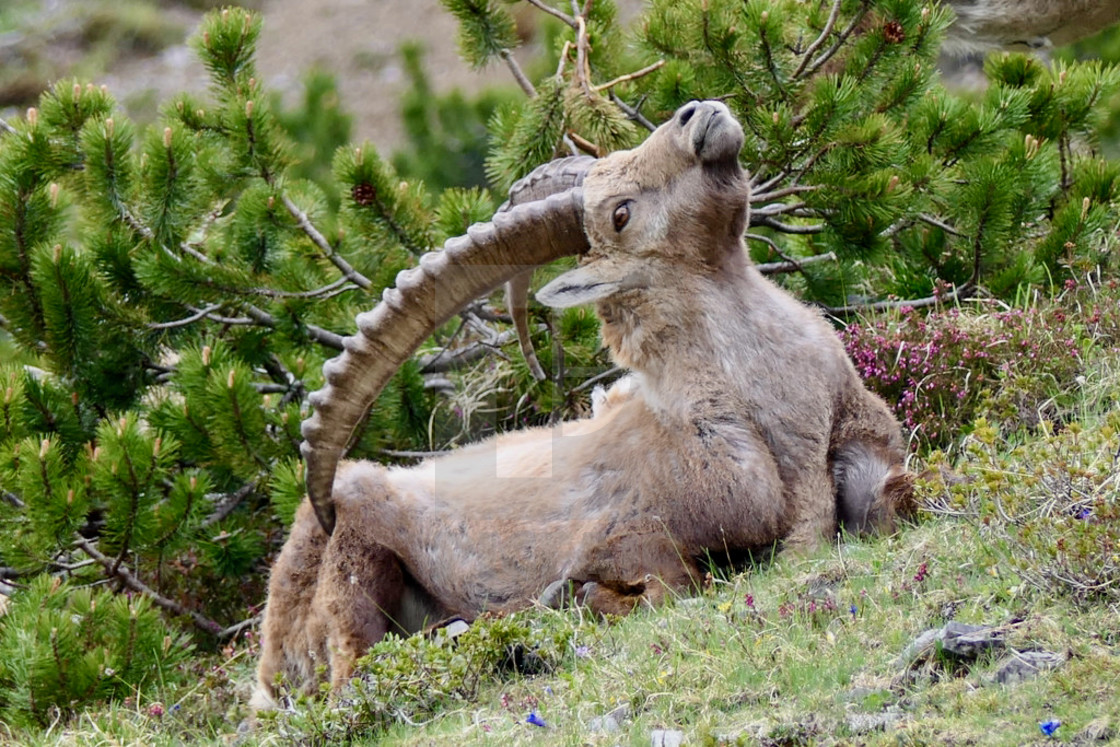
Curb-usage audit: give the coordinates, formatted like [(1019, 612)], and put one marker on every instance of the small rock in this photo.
[(611, 722), (1097, 730), (862, 723), (959, 639), (859, 694), (456, 628), (692, 602), (969, 641), (666, 738), (1023, 665)]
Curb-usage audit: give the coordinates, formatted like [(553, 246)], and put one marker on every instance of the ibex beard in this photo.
[(742, 423)]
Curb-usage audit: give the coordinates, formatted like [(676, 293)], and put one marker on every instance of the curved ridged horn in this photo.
[(425, 297), (546, 179)]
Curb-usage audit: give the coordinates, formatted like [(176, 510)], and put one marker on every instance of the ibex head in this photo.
[(634, 217), (679, 199)]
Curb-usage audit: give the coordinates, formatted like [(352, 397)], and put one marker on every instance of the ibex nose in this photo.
[(684, 114), (710, 129)]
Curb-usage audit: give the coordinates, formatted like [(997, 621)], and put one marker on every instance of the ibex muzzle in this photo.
[(742, 423)]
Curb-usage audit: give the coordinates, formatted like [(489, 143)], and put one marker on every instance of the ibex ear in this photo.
[(579, 286)]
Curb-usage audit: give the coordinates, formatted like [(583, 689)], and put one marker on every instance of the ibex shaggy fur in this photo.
[(741, 424)]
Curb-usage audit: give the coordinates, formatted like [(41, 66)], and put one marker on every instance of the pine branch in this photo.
[(925, 218), (633, 113), (233, 630), (318, 334), (325, 247), (518, 73), (612, 371), (629, 76), (585, 145), (130, 581), (768, 222), (327, 291), (553, 12), (236, 321), (820, 40), (197, 316), (827, 55), (960, 293), (447, 360), (768, 184), (794, 265), (784, 192), (261, 318), (779, 208), (227, 503)]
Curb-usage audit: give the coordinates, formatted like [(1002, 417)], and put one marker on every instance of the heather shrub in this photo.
[(1018, 366)]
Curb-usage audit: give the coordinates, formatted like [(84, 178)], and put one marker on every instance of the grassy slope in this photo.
[(724, 672), (1017, 530), (797, 652)]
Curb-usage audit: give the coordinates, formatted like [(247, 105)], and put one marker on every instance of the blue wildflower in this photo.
[(853, 609), (535, 720), (583, 652), (1049, 726)]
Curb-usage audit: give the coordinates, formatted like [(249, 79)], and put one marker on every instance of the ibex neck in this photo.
[(665, 331)]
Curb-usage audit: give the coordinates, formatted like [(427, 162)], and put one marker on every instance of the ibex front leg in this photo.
[(361, 583)]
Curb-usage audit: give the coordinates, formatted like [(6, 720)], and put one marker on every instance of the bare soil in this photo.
[(356, 40)]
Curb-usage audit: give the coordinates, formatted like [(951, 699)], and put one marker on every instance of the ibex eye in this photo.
[(621, 216)]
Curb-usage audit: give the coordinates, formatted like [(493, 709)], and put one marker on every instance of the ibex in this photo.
[(742, 423), (982, 25)]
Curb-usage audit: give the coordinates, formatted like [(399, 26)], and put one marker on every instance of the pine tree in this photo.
[(169, 294)]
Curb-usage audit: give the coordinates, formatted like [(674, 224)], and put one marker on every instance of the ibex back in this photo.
[(742, 423)]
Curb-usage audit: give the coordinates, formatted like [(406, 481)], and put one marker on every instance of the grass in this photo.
[(761, 657), (804, 651), (1021, 531)]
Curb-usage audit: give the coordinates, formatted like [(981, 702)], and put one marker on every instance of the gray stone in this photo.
[(959, 639), (1097, 730), (1023, 665), (611, 722), (666, 738), (969, 641), (456, 628), (860, 694), (862, 723)]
